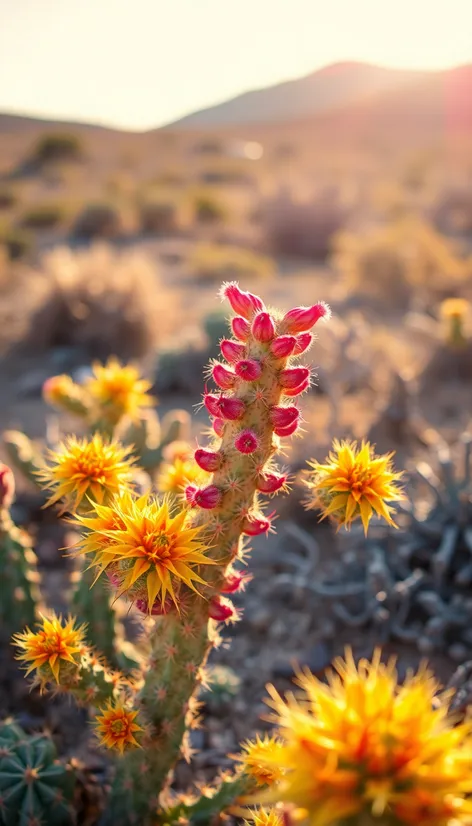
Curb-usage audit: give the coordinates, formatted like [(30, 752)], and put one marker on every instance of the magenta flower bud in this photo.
[(212, 404), (240, 327), (232, 409), (223, 377), (301, 319), (283, 346), (206, 498), (270, 482), (232, 350), (7, 486), (113, 578), (243, 303), (222, 610), (295, 391), (218, 426), (286, 431), (263, 327), (293, 377), (207, 459), (255, 525), (303, 342), (158, 609), (246, 442), (248, 369), (235, 581), (284, 416)]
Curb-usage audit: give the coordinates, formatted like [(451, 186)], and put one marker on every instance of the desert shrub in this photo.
[(16, 241), (99, 300), (8, 198), (43, 216), (159, 216), (59, 146), (452, 212), (208, 146), (397, 261), (302, 228), (225, 172), (214, 262), (99, 220), (208, 209)]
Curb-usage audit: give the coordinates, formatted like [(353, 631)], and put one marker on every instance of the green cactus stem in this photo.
[(208, 805), (35, 788), (23, 455), (93, 606), (250, 418), (18, 564)]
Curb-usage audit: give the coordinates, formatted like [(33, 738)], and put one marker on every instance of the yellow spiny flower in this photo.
[(144, 549), (116, 727), (253, 759), (53, 650), (264, 817), (354, 483), (82, 470), (363, 744), (176, 475), (454, 308), (118, 391)]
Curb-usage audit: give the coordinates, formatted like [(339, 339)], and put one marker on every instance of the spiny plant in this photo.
[(357, 752)]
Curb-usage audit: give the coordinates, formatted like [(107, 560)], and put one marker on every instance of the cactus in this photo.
[(35, 788), (222, 686), (22, 454), (20, 578)]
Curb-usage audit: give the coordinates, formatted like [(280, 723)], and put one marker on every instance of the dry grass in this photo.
[(213, 262), (98, 300)]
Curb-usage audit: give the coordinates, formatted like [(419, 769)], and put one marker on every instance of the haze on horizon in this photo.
[(141, 64)]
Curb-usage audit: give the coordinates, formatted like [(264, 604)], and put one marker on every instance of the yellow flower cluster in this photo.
[(53, 650), (363, 745), (354, 483), (116, 727), (116, 390)]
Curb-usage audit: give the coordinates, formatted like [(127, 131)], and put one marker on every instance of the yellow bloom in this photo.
[(117, 391), (53, 650), (145, 550), (264, 817), (175, 476), (61, 391), (116, 727), (365, 744), (84, 470), (254, 756), (454, 308), (354, 483)]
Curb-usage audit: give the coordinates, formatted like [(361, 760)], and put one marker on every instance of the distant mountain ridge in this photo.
[(333, 87)]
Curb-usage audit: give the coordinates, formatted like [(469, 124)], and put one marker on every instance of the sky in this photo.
[(138, 64)]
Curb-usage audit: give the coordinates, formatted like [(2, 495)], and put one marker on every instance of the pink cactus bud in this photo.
[(212, 403), (248, 369), (284, 416), (158, 608), (303, 342), (7, 486), (113, 578), (223, 377), (295, 391), (286, 431), (270, 482), (222, 610), (240, 327), (218, 426), (207, 459), (293, 377), (232, 409), (301, 319), (232, 350), (263, 327), (206, 498), (235, 581), (246, 442), (283, 346), (243, 303), (256, 525)]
